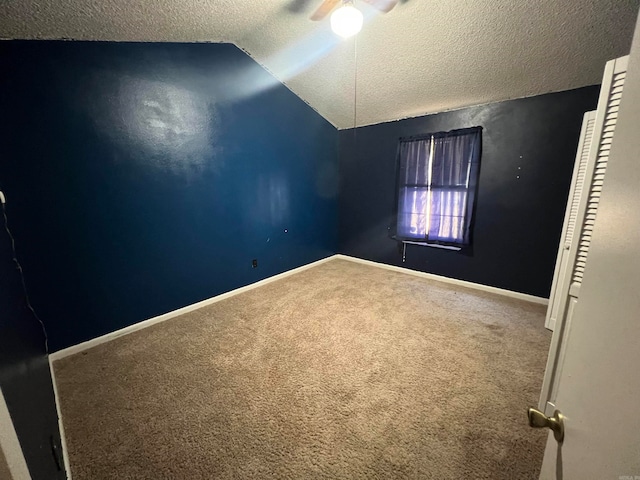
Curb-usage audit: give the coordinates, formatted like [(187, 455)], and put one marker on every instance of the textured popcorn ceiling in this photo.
[(425, 56)]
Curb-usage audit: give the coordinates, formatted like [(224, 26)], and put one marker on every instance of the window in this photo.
[(437, 177)]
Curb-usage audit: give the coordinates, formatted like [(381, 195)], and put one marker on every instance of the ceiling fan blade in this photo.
[(383, 5), (324, 9)]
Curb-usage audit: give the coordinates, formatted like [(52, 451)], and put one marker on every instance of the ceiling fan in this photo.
[(327, 5)]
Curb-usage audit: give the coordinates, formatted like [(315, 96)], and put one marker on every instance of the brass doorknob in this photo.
[(537, 419)]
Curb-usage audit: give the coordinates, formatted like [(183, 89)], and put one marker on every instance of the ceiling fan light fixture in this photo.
[(347, 20)]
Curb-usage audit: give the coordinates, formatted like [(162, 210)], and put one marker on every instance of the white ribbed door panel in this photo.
[(561, 280), (588, 178), (610, 119)]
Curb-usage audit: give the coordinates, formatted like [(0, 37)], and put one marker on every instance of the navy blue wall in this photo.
[(529, 147), (141, 178)]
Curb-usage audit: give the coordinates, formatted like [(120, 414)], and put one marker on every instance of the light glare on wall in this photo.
[(346, 21)]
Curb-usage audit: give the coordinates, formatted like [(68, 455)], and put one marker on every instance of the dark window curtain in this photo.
[(437, 179)]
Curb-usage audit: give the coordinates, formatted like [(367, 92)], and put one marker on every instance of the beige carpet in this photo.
[(5, 473), (343, 371)]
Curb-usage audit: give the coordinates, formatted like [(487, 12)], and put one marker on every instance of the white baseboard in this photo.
[(452, 281), (65, 352), (190, 308), (63, 438), (10, 445)]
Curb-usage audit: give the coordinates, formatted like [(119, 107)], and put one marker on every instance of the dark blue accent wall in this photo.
[(141, 178), (529, 147)]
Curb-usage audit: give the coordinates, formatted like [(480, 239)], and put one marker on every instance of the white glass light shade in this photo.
[(346, 21)]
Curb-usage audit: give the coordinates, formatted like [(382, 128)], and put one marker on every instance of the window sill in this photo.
[(433, 245)]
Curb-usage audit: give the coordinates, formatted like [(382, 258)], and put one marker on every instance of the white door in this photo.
[(566, 255), (598, 388), (558, 315), (589, 172)]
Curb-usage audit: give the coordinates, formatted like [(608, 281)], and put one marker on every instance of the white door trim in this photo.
[(10, 445)]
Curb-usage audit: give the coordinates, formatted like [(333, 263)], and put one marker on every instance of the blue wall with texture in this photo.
[(141, 178), (528, 151)]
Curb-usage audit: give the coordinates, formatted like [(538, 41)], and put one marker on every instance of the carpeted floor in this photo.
[(342, 371), (4, 467)]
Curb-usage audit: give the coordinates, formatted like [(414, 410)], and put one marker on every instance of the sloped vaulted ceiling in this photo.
[(424, 56)]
